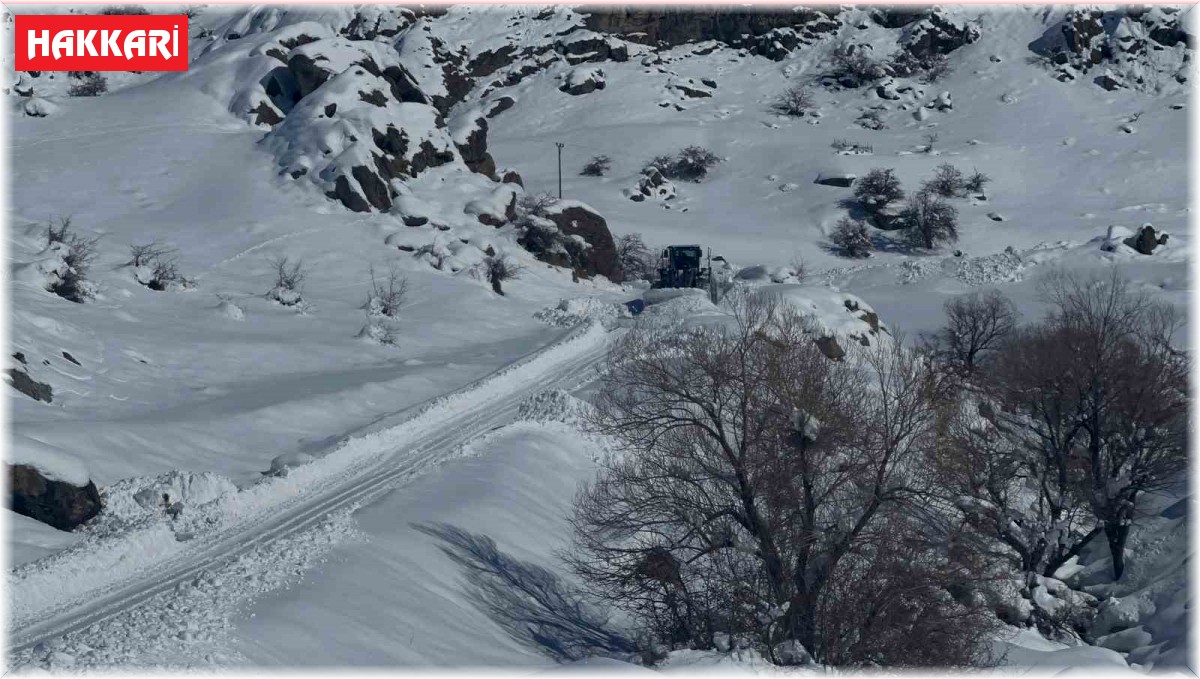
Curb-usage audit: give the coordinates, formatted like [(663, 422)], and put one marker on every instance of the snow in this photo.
[(53, 462), (241, 411)]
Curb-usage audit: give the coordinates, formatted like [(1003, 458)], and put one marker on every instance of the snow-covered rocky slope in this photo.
[(369, 138)]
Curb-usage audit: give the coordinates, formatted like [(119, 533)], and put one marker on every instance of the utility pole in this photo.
[(560, 145)]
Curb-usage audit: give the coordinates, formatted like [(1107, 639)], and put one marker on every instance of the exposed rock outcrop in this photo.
[(53, 502)]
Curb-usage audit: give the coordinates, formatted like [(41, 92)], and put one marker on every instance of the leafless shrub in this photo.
[(853, 66), (289, 280), (796, 100), (691, 163), (930, 140), (500, 268), (536, 204), (947, 181), (597, 166), (977, 182), (387, 295), (142, 255), (77, 253)]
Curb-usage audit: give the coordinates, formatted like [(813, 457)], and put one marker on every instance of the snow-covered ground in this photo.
[(200, 392)]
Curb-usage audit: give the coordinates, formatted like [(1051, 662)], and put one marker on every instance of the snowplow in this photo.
[(683, 266)]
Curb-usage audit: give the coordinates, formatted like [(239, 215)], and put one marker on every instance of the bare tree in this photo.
[(760, 482), (878, 189), (947, 181), (930, 220), (796, 100), (976, 325), (635, 258), (1128, 391), (1083, 413)]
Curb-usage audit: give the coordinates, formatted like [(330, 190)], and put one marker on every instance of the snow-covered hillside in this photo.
[(372, 141)]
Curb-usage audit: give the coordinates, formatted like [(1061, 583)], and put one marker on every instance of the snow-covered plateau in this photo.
[(305, 342)]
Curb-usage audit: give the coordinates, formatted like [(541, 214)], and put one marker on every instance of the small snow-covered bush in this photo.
[(928, 69), (378, 331), (663, 163), (77, 253), (289, 281), (878, 189), (947, 182), (535, 203), (851, 238), (165, 273), (694, 162), (852, 66), (691, 163), (794, 101), (156, 267), (977, 182), (596, 167), (387, 296), (92, 85)]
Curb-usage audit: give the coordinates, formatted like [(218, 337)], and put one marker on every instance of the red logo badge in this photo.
[(90, 42)]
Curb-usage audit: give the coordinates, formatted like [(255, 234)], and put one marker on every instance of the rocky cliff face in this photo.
[(1144, 48)]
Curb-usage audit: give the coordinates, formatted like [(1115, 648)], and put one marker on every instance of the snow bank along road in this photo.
[(80, 588)]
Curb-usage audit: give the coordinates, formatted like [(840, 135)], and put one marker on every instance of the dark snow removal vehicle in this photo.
[(682, 266)]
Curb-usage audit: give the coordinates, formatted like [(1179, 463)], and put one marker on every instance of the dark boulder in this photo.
[(499, 106), (830, 347), (307, 74), (343, 193), (50, 501), (22, 382), (265, 114), (1108, 82), (512, 177), (475, 153), (1146, 240)]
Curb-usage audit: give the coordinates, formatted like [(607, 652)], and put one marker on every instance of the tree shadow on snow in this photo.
[(531, 603)]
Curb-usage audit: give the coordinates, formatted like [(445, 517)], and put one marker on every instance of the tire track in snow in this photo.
[(363, 469)]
